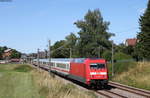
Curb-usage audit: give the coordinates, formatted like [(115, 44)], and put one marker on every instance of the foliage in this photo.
[(107, 55), (122, 62), (59, 50), (122, 56), (129, 50), (23, 68), (15, 54), (2, 49), (120, 67), (71, 41), (92, 41), (143, 45), (120, 48), (93, 34), (124, 49), (137, 76)]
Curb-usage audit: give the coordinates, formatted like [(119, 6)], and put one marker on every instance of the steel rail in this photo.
[(131, 89), (110, 92)]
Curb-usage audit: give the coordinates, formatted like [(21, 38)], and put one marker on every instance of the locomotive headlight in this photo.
[(103, 73), (92, 73)]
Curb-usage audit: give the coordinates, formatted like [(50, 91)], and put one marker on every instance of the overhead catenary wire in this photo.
[(127, 30), (60, 47)]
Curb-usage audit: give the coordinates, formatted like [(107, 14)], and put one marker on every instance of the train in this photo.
[(90, 71)]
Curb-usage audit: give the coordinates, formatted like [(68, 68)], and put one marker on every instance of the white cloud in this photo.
[(141, 11)]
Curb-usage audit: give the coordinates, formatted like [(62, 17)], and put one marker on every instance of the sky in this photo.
[(26, 25)]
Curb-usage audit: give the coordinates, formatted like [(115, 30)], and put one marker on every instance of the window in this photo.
[(97, 66), (61, 65), (67, 66), (44, 62), (52, 64)]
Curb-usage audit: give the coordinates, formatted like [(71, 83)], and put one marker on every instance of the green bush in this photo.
[(120, 67), (107, 55), (23, 68), (122, 56)]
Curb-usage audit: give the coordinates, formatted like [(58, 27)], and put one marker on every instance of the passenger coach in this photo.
[(90, 71)]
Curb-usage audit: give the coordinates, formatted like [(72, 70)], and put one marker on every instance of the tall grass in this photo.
[(23, 81), (138, 76), (120, 67), (16, 84), (50, 87)]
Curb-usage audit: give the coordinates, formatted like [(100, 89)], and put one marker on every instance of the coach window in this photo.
[(52, 64), (61, 65), (67, 66), (44, 62)]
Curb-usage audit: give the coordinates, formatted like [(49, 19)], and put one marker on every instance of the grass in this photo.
[(23, 81), (54, 88), (120, 67), (137, 76), (16, 84), (23, 68)]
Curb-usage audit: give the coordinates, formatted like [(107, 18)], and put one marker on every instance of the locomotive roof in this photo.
[(60, 59), (78, 60)]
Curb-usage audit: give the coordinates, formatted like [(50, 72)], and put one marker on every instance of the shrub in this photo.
[(122, 56), (107, 55), (23, 68)]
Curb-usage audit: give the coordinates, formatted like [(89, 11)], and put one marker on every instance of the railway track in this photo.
[(117, 90), (110, 94), (143, 93)]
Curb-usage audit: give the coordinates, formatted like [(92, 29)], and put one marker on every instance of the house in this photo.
[(7, 53), (42, 54), (131, 42)]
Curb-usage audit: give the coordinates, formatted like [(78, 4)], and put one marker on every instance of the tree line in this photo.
[(14, 53), (93, 39)]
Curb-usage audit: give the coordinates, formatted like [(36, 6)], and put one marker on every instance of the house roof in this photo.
[(131, 42), (7, 50)]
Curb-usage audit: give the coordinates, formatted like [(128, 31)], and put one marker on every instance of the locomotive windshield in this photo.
[(97, 66)]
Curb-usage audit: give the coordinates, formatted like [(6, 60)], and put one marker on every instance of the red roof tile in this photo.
[(131, 42)]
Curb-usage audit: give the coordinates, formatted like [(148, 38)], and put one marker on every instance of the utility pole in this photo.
[(49, 46), (38, 58), (70, 53), (112, 58)]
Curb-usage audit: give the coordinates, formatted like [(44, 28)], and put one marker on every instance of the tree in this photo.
[(143, 45), (120, 48), (128, 50), (122, 56), (93, 34), (71, 41), (15, 54), (59, 50), (2, 49), (107, 55)]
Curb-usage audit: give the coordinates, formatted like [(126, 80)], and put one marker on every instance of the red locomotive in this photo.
[(90, 71)]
